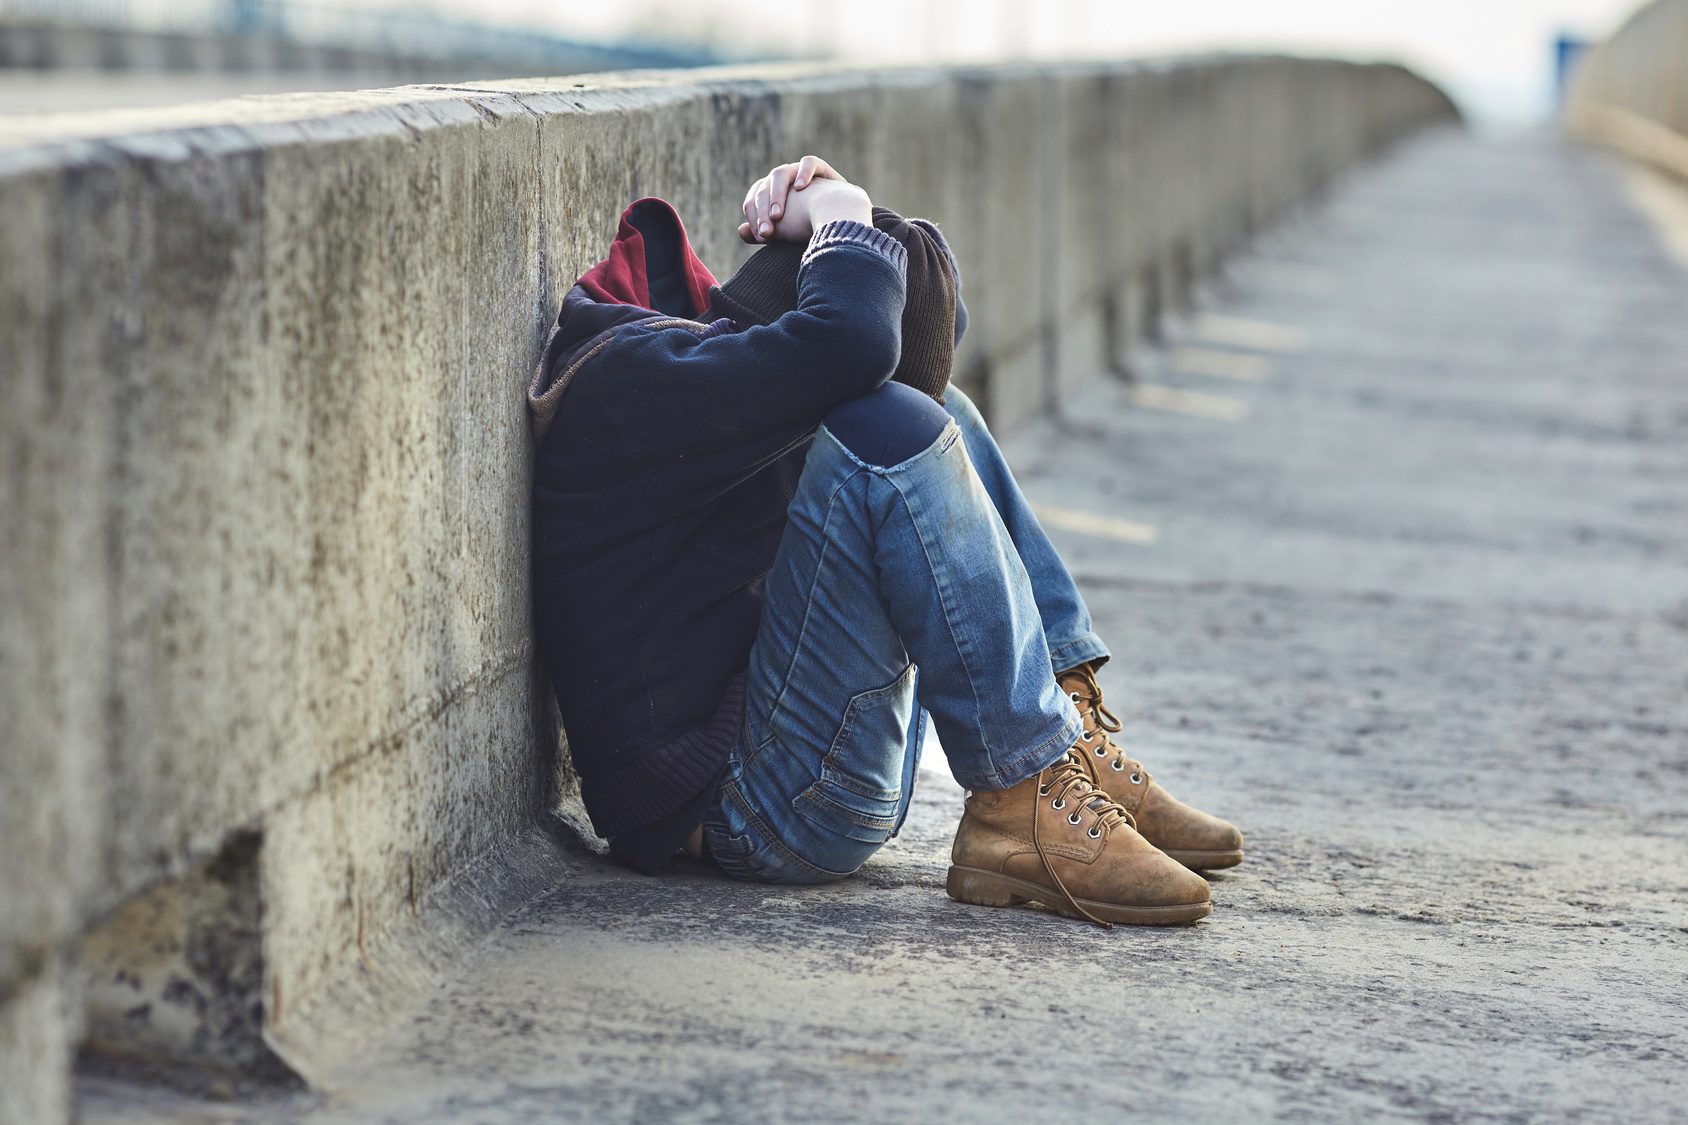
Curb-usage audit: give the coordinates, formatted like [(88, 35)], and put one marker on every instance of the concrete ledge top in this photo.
[(235, 124)]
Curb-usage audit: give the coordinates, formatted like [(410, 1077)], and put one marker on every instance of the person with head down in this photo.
[(771, 541)]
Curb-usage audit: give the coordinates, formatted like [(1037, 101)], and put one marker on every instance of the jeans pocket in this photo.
[(860, 793)]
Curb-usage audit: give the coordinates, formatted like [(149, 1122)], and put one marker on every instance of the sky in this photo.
[(1494, 56)]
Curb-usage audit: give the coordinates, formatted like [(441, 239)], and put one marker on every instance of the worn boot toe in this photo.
[(1196, 839)]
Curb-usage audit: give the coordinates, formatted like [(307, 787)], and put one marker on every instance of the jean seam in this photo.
[(808, 606), (771, 839), (905, 803), (829, 759), (851, 815), (946, 602)]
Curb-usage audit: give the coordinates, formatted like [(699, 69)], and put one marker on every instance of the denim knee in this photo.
[(887, 426)]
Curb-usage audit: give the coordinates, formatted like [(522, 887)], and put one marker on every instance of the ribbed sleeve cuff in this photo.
[(848, 232)]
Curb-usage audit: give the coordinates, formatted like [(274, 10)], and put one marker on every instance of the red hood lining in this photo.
[(620, 279)]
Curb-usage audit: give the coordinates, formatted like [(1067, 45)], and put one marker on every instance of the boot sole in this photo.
[(1205, 861), (992, 888)]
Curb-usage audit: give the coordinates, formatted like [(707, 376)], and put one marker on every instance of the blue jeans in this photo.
[(925, 588)]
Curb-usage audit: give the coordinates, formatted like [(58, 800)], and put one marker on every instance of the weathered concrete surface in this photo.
[(177, 973), (1631, 92), (263, 534), (1418, 622)]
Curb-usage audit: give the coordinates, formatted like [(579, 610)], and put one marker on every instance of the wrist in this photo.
[(847, 202)]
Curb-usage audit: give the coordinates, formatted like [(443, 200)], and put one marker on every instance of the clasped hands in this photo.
[(793, 201)]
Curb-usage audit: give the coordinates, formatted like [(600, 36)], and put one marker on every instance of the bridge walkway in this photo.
[(1415, 615)]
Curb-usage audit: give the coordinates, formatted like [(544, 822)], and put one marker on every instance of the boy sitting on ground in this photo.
[(770, 540)]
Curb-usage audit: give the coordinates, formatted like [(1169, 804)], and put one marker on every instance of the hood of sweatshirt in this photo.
[(651, 264), (651, 273)]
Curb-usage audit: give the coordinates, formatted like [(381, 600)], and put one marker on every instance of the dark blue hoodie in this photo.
[(669, 452)]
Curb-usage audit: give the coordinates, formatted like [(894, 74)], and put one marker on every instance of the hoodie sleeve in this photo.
[(694, 414)]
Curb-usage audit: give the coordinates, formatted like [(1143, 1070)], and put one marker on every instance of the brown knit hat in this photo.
[(765, 288)]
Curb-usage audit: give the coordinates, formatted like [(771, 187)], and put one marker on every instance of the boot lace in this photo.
[(1066, 785), (1090, 705), (1088, 700)]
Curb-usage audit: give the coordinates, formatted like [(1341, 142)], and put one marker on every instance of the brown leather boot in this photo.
[(1188, 835), (1058, 840)]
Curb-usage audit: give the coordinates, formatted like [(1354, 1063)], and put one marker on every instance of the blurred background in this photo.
[(1502, 60)]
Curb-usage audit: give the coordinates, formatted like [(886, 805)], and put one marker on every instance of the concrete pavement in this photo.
[(1416, 619)]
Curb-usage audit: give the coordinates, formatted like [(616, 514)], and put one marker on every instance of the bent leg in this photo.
[(1066, 619), (896, 591)]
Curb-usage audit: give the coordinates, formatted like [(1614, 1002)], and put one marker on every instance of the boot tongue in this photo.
[(1076, 678), (1070, 765), (1072, 771)]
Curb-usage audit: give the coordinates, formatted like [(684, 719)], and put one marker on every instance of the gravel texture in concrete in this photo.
[(1416, 619)]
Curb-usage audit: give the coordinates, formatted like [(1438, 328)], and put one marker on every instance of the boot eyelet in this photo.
[(1058, 803), (1073, 695), (1119, 766), (1073, 818), (1043, 790), (1101, 751), (1136, 779), (1095, 833), (1087, 737)]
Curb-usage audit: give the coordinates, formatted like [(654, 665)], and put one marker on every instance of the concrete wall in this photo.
[(1631, 92), (264, 461)]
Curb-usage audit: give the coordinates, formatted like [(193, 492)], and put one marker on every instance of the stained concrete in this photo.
[(177, 972), (1418, 623)]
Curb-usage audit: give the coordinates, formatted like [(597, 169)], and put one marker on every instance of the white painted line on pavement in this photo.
[(1089, 523), (1226, 365), (1257, 334), (1156, 397)]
